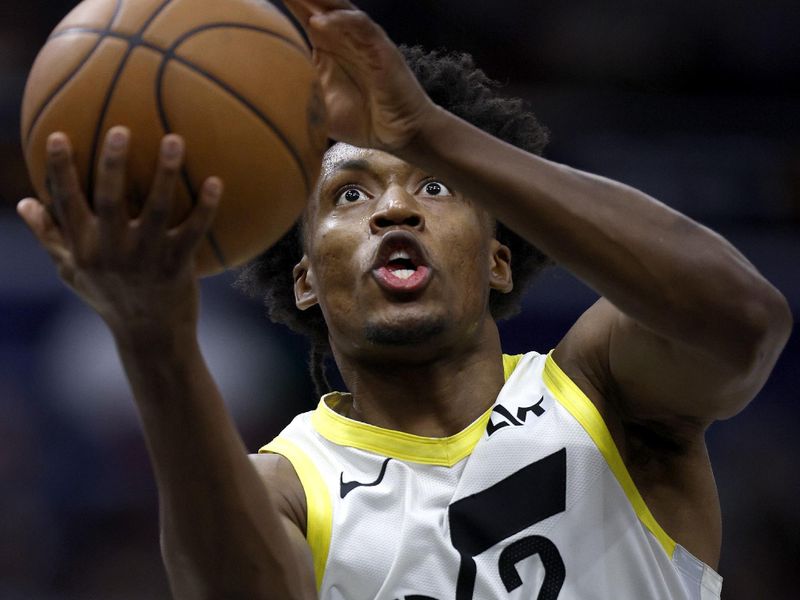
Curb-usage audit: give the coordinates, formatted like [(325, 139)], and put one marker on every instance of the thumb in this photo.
[(38, 219)]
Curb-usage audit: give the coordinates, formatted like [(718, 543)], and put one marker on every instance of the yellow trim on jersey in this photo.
[(444, 452), (571, 397), (319, 519), (509, 364)]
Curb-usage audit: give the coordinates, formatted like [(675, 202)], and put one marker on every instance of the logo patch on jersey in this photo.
[(345, 487), (506, 418)]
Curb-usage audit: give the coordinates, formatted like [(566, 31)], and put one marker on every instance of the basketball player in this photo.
[(450, 470)]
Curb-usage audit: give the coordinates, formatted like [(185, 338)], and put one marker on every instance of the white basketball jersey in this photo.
[(531, 501)]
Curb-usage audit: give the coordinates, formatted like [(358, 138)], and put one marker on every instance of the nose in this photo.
[(397, 208)]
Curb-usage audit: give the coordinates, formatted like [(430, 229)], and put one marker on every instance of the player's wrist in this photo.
[(432, 125), (154, 334)]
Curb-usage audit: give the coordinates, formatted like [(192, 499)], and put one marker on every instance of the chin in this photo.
[(407, 333)]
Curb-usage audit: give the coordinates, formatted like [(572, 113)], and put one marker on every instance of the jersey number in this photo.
[(522, 499)]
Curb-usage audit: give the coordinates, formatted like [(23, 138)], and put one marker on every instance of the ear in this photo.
[(500, 277), (304, 295)]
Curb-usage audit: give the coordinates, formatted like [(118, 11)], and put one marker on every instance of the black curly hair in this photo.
[(452, 81)]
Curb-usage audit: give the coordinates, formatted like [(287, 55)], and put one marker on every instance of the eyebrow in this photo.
[(351, 164)]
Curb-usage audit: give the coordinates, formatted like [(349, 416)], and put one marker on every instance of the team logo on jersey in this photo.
[(506, 418), (345, 487)]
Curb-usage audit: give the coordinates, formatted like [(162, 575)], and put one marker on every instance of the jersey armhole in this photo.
[(319, 518), (572, 398)]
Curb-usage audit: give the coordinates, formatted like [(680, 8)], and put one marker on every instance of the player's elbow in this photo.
[(765, 326), (751, 348)]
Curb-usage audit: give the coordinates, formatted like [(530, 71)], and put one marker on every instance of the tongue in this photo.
[(397, 265)]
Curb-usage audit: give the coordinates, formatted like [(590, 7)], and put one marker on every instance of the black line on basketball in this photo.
[(140, 43), (233, 25), (58, 89), (170, 55), (216, 248), (72, 74), (249, 105), (133, 42), (127, 37), (107, 28)]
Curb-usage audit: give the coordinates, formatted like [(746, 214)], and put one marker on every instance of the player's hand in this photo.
[(372, 98), (134, 272)]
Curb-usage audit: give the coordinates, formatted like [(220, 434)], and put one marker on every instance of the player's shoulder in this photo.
[(283, 484)]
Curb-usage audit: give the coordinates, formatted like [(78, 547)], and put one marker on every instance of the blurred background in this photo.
[(696, 102)]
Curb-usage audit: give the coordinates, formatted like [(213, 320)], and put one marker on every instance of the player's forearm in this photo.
[(221, 535), (666, 271)]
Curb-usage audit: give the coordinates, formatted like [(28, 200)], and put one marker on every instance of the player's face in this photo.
[(395, 257)]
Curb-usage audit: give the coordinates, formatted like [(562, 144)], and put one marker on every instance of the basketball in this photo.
[(233, 77)]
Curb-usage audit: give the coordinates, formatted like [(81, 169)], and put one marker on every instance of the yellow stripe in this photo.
[(576, 402), (509, 364), (319, 520), (444, 452)]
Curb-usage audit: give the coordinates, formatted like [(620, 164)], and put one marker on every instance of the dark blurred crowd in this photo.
[(695, 102)]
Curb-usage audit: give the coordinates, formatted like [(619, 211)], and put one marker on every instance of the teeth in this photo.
[(399, 255), (403, 273)]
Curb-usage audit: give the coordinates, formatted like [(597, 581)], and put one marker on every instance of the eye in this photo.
[(350, 195), (436, 188)]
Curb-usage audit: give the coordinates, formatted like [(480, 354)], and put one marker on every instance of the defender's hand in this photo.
[(133, 272), (373, 99)]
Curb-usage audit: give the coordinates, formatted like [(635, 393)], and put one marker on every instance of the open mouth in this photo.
[(401, 265)]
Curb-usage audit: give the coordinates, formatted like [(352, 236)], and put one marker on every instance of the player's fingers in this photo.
[(41, 224), (156, 210), (356, 23), (67, 201), (109, 188), (198, 223), (303, 9), (319, 6), (300, 11), (353, 40)]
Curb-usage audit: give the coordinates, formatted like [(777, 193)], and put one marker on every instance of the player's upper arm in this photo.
[(288, 495), (279, 476), (649, 378)]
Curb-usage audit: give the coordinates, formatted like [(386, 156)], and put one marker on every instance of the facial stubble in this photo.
[(404, 334)]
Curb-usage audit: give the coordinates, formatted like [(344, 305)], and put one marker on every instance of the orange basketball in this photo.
[(233, 77)]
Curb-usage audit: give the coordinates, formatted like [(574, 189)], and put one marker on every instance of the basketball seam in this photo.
[(234, 94), (134, 42), (170, 54), (127, 37), (110, 92), (67, 79)]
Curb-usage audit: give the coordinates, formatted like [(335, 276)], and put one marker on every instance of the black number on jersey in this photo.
[(522, 499), (554, 571)]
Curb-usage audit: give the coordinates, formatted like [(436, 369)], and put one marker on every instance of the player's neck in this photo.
[(435, 398)]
